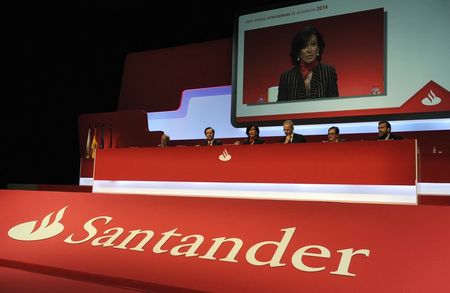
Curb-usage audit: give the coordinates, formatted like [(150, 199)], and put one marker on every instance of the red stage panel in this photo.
[(270, 246), (15, 280)]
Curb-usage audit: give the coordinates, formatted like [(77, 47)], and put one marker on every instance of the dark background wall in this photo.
[(63, 60)]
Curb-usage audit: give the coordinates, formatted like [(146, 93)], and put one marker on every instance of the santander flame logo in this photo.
[(29, 232), (431, 99), (225, 156)]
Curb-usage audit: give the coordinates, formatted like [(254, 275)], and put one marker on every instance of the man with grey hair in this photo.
[(290, 136)]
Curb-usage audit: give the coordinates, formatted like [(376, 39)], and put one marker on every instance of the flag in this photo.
[(94, 144), (102, 138), (88, 144)]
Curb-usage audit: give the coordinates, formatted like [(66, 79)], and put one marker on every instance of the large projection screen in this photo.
[(390, 57)]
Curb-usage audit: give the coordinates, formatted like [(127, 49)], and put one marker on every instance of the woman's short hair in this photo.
[(300, 41), (250, 127)]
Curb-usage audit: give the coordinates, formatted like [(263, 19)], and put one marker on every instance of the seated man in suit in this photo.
[(333, 135), (384, 131), (291, 137), (209, 133)]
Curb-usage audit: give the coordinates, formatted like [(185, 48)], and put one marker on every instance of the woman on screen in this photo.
[(308, 78)]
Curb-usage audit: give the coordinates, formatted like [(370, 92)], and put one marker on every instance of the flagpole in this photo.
[(102, 138), (110, 136)]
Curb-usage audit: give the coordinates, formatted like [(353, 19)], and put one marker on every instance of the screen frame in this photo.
[(321, 120)]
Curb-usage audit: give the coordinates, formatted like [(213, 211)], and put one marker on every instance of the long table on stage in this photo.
[(367, 171)]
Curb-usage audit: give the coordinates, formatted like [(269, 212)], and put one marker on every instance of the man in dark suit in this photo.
[(210, 141), (384, 131), (333, 135), (291, 137)]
